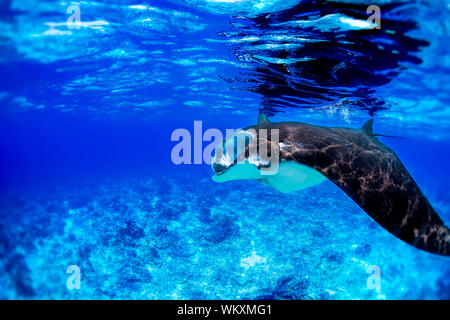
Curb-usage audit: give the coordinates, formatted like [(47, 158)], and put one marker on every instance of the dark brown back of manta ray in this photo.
[(372, 175)]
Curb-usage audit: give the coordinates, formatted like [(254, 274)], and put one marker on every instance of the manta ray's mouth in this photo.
[(219, 168)]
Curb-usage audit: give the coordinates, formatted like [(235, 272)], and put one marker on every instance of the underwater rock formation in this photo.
[(124, 251), (220, 228)]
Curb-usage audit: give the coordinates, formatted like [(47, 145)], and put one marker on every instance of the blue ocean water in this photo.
[(90, 93)]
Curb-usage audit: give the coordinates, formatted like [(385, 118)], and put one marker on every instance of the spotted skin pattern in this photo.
[(371, 174)]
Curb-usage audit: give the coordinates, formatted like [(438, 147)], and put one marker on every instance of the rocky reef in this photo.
[(188, 238)]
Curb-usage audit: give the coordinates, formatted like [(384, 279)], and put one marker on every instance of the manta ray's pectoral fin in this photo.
[(374, 177)]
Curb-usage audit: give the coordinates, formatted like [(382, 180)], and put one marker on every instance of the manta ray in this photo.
[(367, 170)]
